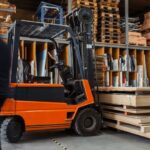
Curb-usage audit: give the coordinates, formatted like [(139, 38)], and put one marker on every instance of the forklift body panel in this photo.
[(44, 114)]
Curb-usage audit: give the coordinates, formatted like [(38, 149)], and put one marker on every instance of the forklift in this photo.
[(37, 105)]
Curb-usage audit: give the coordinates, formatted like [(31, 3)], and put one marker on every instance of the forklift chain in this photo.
[(60, 144)]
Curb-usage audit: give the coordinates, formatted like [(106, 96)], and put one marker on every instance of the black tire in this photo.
[(12, 130), (87, 122)]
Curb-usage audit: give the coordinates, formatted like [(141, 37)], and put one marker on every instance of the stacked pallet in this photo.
[(146, 27), (127, 109), (135, 38), (89, 4), (6, 10), (108, 21)]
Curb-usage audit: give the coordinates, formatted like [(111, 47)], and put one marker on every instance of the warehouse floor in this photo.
[(109, 139)]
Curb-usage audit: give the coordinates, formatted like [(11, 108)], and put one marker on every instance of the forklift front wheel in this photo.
[(87, 122), (12, 130)]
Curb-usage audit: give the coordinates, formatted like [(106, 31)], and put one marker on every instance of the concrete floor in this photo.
[(108, 140)]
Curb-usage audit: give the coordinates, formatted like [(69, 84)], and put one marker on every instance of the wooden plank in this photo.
[(133, 120), (129, 110), (145, 129), (118, 99), (124, 89), (125, 99), (127, 129)]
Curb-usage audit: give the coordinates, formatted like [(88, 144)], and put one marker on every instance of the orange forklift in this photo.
[(37, 105)]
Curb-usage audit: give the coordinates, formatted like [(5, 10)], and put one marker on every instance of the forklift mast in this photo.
[(80, 21)]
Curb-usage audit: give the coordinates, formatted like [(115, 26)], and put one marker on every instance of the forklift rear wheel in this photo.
[(87, 122), (12, 130)]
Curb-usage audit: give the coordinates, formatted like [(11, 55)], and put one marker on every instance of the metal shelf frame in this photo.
[(126, 46)]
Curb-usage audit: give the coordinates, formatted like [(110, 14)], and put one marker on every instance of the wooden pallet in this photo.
[(108, 15), (126, 109), (108, 9), (113, 30), (116, 36), (8, 6), (109, 21), (112, 3), (104, 40), (104, 25), (126, 99), (3, 30), (107, 25), (84, 3), (107, 38), (137, 120), (135, 42), (129, 96), (108, 35), (111, 41), (4, 25), (116, 41), (90, 1), (141, 131)]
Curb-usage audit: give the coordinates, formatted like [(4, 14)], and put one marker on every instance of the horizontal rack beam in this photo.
[(59, 41), (98, 44)]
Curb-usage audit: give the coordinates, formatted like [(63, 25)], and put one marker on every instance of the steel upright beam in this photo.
[(127, 38)]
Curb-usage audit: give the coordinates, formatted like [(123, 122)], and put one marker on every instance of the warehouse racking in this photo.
[(124, 49)]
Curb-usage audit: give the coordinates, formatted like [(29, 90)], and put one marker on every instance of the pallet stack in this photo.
[(127, 109), (135, 38), (108, 21), (89, 4), (134, 35), (146, 27), (6, 11)]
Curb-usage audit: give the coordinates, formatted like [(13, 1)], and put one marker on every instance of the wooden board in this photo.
[(128, 128), (142, 128), (125, 109), (125, 99), (130, 119), (124, 89)]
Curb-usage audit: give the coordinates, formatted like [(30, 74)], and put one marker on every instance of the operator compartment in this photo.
[(41, 69)]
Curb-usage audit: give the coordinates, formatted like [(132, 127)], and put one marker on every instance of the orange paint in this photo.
[(45, 115)]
